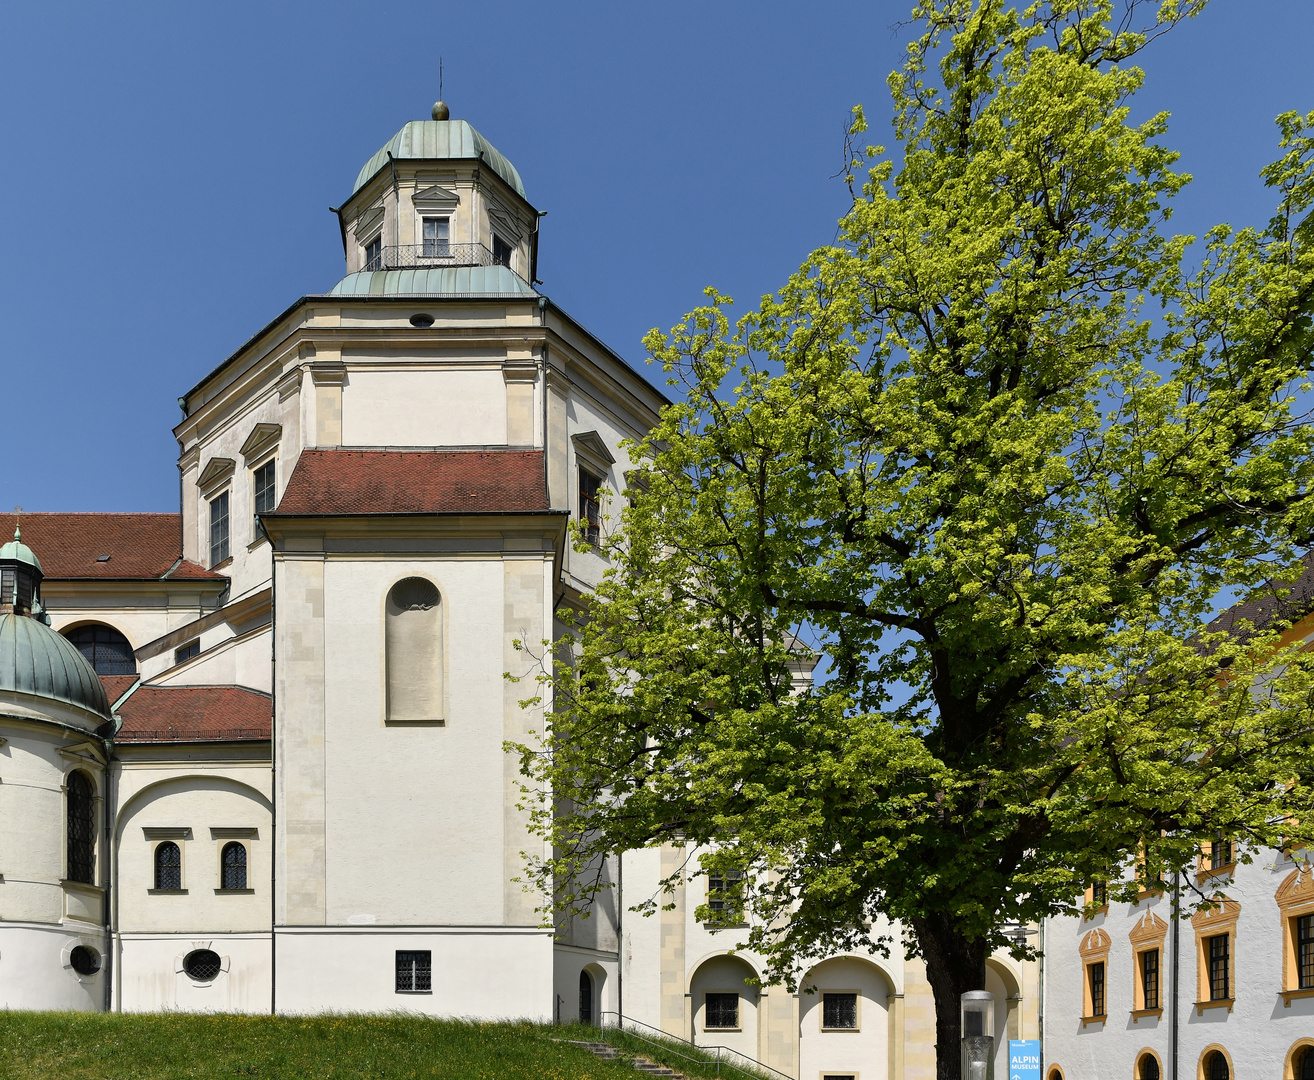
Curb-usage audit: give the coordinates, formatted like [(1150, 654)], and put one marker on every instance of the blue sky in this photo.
[(169, 169)]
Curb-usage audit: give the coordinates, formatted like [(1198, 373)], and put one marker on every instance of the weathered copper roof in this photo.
[(415, 482), (440, 140), (494, 282), (36, 660)]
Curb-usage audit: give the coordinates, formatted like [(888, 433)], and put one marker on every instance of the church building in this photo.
[(252, 752)]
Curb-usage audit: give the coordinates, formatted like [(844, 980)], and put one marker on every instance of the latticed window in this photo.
[(374, 254), (1150, 978), (168, 866), (585, 998), (219, 529), (81, 829), (1220, 854), (590, 512), (1305, 1071), (203, 965), (1096, 976), (725, 896), (1099, 893), (1305, 952), (233, 862), (414, 971), (1220, 977), (721, 1011), (107, 650), (839, 1010), (1148, 1068), (501, 252), (1216, 1067)]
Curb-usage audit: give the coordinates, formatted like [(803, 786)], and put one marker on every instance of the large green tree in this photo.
[(992, 457)]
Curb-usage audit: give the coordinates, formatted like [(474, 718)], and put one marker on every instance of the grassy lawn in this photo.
[(89, 1046)]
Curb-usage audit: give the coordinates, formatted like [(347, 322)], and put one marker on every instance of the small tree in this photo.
[(957, 458)]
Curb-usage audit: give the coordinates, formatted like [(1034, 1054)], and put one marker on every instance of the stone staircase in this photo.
[(605, 1052)]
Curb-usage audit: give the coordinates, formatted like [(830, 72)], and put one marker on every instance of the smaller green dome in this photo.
[(440, 140), (19, 551), (36, 660)]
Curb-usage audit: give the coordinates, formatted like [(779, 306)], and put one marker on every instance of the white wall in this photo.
[(150, 979), (864, 1051), (443, 407)]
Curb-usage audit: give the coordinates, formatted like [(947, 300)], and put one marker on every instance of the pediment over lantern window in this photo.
[(368, 220), (435, 196), (506, 225)]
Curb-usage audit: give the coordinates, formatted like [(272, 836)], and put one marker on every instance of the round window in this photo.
[(84, 961), (423, 320), (202, 965)]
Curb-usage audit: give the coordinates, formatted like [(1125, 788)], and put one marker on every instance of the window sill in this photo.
[(222, 563), (257, 542), (415, 723), (1094, 1019), (1205, 875), (72, 882), (1140, 1014), (714, 926), (1145, 894), (1288, 996), (413, 991), (1200, 1006), (720, 1031), (1103, 909), (835, 1031), (233, 892), (167, 892)]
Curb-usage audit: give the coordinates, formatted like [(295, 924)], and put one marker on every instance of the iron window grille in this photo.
[(1097, 989), (839, 1011), (203, 965), (1150, 978), (1305, 952), (81, 830), (218, 529), (590, 511), (414, 972), (373, 253), (720, 1011), (1220, 977), (105, 648), (838, 1076), (585, 998), (1149, 1068), (1217, 1068), (1220, 854), (233, 860), (83, 960), (168, 866), (1307, 1065), (725, 896)]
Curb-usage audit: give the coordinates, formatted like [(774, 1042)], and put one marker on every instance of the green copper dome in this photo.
[(36, 660), (440, 140), (19, 552)]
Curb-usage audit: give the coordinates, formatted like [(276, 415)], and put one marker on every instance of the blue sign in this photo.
[(1023, 1059)]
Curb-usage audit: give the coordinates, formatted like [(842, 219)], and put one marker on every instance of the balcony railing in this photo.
[(431, 253)]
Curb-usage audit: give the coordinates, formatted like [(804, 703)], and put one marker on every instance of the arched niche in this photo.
[(846, 1023), (413, 641)]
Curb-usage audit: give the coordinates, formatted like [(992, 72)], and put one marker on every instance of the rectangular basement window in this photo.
[(414, 972)]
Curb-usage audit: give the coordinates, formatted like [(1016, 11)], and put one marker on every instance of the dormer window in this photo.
[(437, 234), (374, 254), (501, 251)]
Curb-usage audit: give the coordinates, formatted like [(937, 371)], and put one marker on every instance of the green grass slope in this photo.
[(179, 1046)]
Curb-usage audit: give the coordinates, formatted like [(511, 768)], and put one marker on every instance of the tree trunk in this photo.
[(954, 965)]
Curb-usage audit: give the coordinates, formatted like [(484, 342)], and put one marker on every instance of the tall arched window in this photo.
[(1216, 1067), (81, 828), (107, 649), (1306, 1064), (168, 866), (233, 859), (585, 998), (414, 643), (1147, 1068)]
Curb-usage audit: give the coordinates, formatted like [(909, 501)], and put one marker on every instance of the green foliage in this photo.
[(993, 456), (353, 1047)]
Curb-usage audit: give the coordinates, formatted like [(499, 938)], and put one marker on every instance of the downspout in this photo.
[(1177, 886), (620, 940), (1040, 1005), (111, 867), (273, 776), (396, 203)]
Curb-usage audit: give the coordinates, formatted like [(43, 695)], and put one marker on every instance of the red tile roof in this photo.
[(1287, 600), (139, 546), (117, 685), (195, 714), (415, 482)]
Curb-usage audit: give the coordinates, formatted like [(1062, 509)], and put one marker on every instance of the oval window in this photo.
[(84, 961), (202, 965)]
